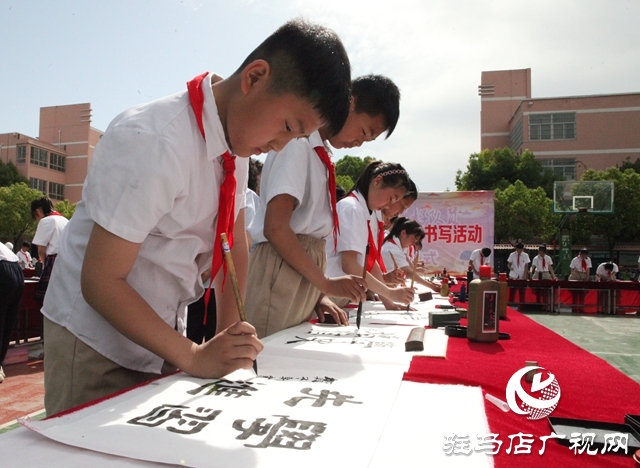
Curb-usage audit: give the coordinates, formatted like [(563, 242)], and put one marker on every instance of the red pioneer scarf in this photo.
[(227, 199), (331, 186)]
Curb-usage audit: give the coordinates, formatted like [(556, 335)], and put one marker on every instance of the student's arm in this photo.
[(226, 306), (108, 261), (473, 267), (418, 279), (42, 253), (553, 275), (350, 265), (277, 230)]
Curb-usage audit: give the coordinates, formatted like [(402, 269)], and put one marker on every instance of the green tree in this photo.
[(624, 223), (501, 167), (345, 182), (352, 166), (9, 175), (523, 213), (65, 208), (631, 165), (15, 212)]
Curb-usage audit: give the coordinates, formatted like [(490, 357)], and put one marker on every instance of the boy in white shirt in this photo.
[(287, 280), (162, 186), (518, 263)]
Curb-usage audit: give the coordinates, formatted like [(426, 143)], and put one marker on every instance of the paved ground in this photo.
[(616, 339)]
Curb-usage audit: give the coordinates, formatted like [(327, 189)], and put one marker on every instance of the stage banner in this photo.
[(455, 224)]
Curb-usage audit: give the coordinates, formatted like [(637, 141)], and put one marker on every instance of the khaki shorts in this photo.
[(279, 297), (75, 374)]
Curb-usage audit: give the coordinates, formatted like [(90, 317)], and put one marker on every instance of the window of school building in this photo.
[(565, 167), (560, 126), (38, 156), (56, 191), (21, 154), (38, 184), (57, 162)]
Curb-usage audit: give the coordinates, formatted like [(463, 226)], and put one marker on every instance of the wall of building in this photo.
[(606, 126), (65, 131)]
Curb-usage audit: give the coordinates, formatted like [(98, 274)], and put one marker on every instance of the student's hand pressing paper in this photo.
[(233, 348), (327, 306)]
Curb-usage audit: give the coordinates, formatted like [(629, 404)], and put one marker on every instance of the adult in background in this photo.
[(47, 238), (580, 266), (518, 263), (11, 286), (607, 271)]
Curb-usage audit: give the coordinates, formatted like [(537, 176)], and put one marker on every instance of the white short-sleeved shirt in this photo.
[(576, 264), (476, 258), (7, 254), (353, 214), (537, 262), (253, 204), (392, 247), (605, 273), (155, 181), (48, 233), (24, 257), (518, 264), (297, 171)]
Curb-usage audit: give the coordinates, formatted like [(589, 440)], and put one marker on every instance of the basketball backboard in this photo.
[(594, 197)]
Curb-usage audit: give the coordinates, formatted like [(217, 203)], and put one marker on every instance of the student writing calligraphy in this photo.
[(380, 185), (404, 233), (163, 185), (287, 279)]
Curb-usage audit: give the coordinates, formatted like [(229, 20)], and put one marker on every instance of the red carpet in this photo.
[(590, 388)]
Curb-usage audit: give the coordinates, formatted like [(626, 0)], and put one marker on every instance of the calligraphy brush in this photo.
[(364, 275), (234, 283), (413, 278)]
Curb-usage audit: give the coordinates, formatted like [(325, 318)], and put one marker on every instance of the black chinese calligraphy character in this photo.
[(286, 433), (188, 423), (224, 387), (322, 398)]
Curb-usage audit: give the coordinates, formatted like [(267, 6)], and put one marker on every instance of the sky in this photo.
[(118, 53)]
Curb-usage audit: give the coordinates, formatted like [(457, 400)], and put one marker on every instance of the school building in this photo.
[(568, 134), (56, 161)]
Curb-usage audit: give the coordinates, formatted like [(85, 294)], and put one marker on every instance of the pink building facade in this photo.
[(55, 162), (567, 134)]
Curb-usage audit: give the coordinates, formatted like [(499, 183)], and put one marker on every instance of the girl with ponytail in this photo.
[(404, 233), (379, 186)]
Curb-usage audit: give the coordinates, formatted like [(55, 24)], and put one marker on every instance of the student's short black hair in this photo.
[(410, 226), (543, 247), (519, 245), (377, 95), (311, 62), (608, 266), (585, 251), (26, 244), (486, 251), (393, 175), (44, 203), (340, 192)]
